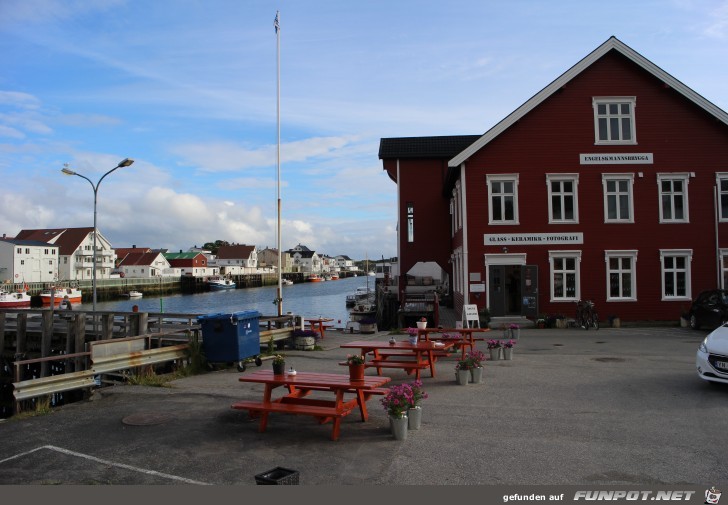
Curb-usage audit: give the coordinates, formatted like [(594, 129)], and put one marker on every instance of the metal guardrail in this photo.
[(106, 356)]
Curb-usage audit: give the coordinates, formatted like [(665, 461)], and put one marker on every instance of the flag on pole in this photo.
[(275, 23)]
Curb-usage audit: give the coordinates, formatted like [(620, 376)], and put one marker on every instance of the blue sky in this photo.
[(187, 88)]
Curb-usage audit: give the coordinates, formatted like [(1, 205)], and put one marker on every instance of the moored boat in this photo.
[(220, 283), (14, 300), (314, 278), (134, 294), (361, 295), (287, 282), (334, 277), (73, 294)]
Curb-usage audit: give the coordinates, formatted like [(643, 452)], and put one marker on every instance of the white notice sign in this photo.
[(470, 314)]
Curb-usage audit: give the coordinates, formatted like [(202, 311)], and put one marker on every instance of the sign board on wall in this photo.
[(478, 287), (533, 238), (615, 159)]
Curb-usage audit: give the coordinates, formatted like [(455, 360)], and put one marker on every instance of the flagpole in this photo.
[(279, 295)]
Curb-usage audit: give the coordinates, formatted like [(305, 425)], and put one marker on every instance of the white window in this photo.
[(618, 204), (563, 201), (614, 120), (503, 201), (673, 191), (621, 275), (723, 268), (721, 181), (675, 265), (565, 275)]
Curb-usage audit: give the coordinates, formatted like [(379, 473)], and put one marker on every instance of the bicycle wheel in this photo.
[(595, 322)]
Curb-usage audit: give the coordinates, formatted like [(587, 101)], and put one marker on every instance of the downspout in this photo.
[(464, 201), (716, 201), (400, 282)]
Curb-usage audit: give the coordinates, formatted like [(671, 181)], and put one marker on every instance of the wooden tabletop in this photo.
[(330, 380)]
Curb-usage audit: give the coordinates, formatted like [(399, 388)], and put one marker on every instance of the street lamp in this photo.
[(123, 163)]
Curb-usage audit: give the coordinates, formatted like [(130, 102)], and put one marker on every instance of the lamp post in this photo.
[(123, 163)]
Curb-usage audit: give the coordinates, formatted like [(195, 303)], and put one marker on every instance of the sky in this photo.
[(188, 89)]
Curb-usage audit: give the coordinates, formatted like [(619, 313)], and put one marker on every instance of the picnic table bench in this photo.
[(377, 354), (300, 385)]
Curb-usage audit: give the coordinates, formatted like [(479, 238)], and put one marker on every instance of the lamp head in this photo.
[(67, 170), (125, 162)]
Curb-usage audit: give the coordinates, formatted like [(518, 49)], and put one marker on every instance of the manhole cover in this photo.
[(609, 360), (147, 418)]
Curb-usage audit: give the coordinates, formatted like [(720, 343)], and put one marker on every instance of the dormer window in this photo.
[(614, 120)]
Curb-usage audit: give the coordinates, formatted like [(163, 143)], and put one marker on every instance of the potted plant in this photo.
[(476, 357), (412, 335), (508, 349), (356, 366), (494, 346), (414, 413), (422, 323), (305, 340), (396, 403), (514, 330), (368, 325), (462, 371), (541, 322), (484, 317), (279, 364)]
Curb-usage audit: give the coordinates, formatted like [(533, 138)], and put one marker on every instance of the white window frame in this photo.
[(721, 176), (608, 100), (676, 253), (490, 179), (574, 179), (684, 177), (606, 178), (723, 268), (632, 255), (576, 255)]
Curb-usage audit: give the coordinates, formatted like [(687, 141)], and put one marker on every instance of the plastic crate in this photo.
[(277, 476)]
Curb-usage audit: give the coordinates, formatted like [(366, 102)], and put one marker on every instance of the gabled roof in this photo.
[(67, 239), (612, 44), (424, 147), (182, 255), (139, 259), (34, 243), (234, 252)]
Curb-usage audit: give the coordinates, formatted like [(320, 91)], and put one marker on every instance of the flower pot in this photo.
[(515, 333), (304, 343), (422, 325), (495, 354), (508, 353), (476, 375), (356, 372), (462, 377), (279, 368), (413, 339), (399, 426), (414, 416)]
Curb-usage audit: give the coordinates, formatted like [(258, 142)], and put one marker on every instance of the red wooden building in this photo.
[(610, 184)]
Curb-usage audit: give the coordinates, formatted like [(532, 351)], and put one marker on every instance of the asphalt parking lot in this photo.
[(619, 406)]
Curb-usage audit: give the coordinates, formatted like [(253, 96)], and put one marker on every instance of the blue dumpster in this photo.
[(229, 338)]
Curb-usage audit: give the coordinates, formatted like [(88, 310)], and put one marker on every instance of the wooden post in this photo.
[(79, 332), (45, 341), (107, 326), (2, 333), (21, 339)]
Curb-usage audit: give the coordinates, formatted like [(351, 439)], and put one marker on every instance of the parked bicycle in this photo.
[(586, 315)]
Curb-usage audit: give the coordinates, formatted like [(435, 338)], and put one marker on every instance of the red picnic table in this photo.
[(417, 356), (466, 340)]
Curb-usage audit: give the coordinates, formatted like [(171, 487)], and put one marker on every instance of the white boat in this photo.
[(134, 294), (362, 295), (220, 283), (14, 300), (73, 294), (287, 282)]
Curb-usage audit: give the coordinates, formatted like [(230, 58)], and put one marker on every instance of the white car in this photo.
[(711, 359)]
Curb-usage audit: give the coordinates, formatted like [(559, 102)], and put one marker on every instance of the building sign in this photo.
[(615, 159), (505, 239)]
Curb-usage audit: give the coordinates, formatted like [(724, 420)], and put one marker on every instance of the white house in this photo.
[(305, 260), (346, 264), (23, 261), (75, 251), (146, 265), (237, 259)]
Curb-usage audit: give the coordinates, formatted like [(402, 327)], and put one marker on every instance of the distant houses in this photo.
[(66, 254)]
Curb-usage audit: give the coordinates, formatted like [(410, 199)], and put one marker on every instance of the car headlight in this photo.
[(702, 347)]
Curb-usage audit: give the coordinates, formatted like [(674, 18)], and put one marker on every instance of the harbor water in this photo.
[(308, 299)]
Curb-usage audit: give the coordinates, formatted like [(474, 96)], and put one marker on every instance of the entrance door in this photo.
[(504, 287)]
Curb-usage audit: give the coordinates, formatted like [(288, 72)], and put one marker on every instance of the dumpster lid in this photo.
[(244, 314)]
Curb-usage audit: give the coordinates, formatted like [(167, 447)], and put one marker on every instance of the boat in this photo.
[(362, 295), (133, 294), (314, 278), (73, 294), (14, 300), (334, 277), (287, 282), (220, 283)]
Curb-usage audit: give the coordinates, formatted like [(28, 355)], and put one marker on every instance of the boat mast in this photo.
[(279, 294)]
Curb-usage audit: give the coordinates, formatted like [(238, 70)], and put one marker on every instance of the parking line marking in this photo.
[(105, 462)]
